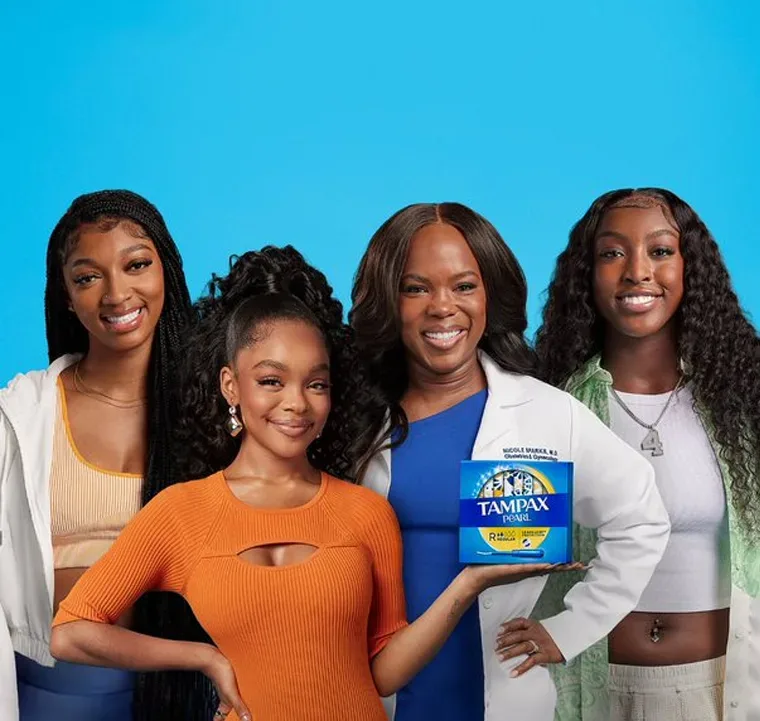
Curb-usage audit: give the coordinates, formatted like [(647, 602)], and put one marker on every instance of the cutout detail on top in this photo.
[(278, 554)]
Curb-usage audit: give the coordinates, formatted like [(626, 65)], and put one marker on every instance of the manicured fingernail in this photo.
[(513, 674)]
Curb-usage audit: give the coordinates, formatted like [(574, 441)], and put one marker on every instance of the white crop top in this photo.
[(695, 571)]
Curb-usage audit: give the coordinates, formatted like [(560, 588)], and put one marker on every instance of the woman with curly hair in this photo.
[(439, 311), (85, 443), (642, 325), (295, 574)]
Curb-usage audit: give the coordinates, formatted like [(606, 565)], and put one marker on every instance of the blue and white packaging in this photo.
[(516, 512)]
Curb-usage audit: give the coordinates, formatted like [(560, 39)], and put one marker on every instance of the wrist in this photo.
[(208, 658), (469, 584)]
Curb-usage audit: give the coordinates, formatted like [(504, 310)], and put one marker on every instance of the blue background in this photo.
[(252, 121)]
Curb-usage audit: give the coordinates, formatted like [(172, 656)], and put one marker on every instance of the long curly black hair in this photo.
[(164, 696), (278, 274), (375, 317), (718, 344)]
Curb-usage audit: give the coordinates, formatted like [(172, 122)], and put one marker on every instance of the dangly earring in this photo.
[(233, 424)]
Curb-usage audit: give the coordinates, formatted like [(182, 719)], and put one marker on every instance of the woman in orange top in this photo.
[(295, 574)]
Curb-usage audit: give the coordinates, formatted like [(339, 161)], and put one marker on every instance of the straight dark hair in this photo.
[(375, 295)]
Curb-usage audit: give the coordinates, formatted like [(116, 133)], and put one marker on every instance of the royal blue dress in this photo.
[(425, 495)]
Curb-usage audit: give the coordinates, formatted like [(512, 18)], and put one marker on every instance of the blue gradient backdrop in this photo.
[(309, 123)]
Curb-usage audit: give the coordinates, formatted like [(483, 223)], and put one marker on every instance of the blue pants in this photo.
[(72, 692)]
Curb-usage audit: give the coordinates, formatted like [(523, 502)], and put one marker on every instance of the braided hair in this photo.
[(286, 286), (164, 696)]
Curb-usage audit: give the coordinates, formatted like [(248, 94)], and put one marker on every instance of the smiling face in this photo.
[(638, 271), (442, 302), (115, 283), (281, 382)]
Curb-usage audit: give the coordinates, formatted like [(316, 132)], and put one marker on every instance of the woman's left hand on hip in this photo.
[(524, 636)]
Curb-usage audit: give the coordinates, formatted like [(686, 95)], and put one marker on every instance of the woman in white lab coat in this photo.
[(439, 309)]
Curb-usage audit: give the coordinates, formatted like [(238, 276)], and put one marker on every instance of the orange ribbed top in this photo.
[(300, 637)]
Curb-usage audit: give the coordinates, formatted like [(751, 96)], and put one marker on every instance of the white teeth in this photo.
[(638, 299), (443, 335), (121, 319)]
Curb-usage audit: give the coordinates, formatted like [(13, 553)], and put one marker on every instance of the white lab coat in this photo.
[(615, 493)]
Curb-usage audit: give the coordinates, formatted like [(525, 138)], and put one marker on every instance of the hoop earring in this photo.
[(233, 424)]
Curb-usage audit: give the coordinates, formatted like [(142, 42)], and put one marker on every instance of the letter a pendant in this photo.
[(652, 443)]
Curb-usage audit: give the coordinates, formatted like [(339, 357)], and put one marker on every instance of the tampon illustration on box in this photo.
[(516, 512)]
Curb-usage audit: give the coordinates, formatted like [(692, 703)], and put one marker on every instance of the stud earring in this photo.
[(233, 424)]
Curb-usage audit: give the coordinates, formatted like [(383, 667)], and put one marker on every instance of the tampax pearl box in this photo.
[(516, 512)]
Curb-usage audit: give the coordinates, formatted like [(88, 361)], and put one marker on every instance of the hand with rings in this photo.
[(526, 637), (220, 671), (220, 715)]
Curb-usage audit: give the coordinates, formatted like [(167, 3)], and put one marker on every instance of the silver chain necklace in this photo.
[(651, 440)]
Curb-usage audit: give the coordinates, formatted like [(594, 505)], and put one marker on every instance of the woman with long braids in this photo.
[(642, 325), (295, 574), (85, 443), (439, 311)]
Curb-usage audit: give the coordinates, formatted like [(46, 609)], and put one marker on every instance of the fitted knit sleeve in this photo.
[(382, 536), (154, 552)]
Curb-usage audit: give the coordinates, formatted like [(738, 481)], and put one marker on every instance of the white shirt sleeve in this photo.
[(616, 494), (8, 693)]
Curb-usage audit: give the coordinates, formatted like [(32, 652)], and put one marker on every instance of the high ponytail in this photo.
[(265, 285)]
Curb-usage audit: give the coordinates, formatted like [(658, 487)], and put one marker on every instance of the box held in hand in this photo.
[(516, 512)]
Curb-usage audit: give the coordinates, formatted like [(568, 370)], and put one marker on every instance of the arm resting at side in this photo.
[(151, 554), (99, 644), (154, 552)]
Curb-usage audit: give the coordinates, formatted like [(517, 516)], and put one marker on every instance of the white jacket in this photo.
[(27, 422), (615, 493), (8, 693)]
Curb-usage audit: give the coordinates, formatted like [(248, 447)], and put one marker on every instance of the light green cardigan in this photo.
[(582, 683)]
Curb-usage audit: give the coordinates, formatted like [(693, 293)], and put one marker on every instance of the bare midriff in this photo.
[(668, 639)]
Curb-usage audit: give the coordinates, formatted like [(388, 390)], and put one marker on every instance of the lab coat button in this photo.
[(487, 602)]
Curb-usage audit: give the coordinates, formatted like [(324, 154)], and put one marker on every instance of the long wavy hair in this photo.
[(375, 312), (262, 286), (716, 341), (165, 696)]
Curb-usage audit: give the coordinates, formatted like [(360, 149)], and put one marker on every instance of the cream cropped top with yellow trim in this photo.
[(89, 506)]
